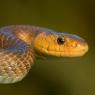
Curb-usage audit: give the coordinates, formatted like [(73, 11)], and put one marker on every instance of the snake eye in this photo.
[(60, 40)]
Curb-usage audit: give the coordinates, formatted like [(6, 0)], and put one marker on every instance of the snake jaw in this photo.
[(73, 46)]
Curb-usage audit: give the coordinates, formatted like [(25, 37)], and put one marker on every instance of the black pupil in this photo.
[(60, 41)]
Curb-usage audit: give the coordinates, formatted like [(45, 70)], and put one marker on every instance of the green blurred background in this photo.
[(67, 76)]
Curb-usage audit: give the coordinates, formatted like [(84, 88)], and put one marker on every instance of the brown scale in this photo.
[(13, 67)]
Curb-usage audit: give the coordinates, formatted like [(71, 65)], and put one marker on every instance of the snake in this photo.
[(20, 44)]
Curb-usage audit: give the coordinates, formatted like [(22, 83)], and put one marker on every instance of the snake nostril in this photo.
[(60, 40), (75, 44)]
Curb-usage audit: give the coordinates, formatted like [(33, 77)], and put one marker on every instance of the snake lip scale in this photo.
[(19, 45)]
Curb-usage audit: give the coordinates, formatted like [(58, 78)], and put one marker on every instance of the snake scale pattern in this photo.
[(20, 43)]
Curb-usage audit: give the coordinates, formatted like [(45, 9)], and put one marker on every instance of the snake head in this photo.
[(60, 44)]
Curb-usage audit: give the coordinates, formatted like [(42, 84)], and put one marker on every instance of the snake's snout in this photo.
[(78, 48), (74, 46), (61, 45), (77, 45)]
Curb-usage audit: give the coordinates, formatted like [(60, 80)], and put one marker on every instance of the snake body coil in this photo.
[(18, 45)]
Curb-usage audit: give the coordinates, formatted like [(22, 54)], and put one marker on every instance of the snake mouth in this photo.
[(66, 45), (59, 52)]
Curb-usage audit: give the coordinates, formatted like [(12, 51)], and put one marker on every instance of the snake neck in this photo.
[(28, 33)]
